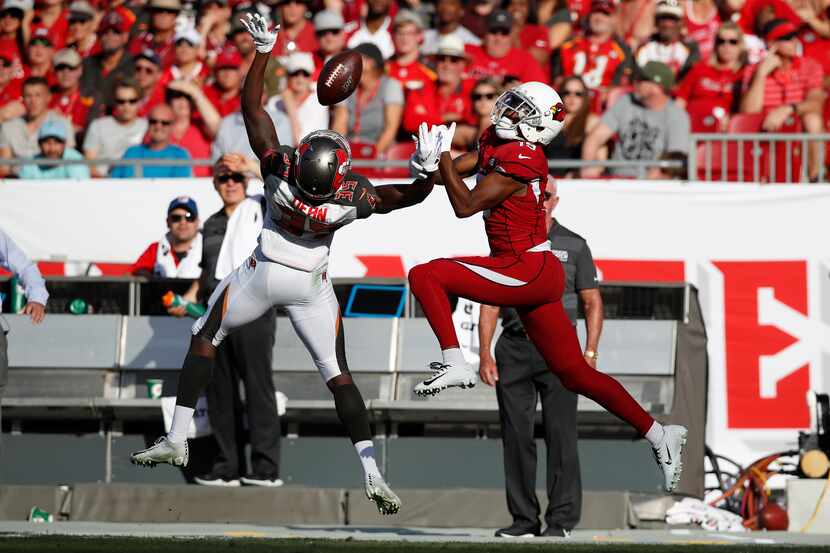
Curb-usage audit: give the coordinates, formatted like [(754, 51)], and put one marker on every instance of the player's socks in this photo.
[(454, 357), (366, 453), (655, 434), (181, 422)]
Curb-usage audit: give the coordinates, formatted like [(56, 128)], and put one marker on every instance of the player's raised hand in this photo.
[(446, 135), (428, 148), (257, 27)]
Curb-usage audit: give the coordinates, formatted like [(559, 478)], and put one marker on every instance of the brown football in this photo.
[(339, 77)]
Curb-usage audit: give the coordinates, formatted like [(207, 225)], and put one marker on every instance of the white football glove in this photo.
[(257, 27), (428, 150), (416, 170), (445, 138)]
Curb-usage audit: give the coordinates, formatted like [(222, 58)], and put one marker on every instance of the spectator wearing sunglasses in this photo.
[(579, 122), (81, 32), (497, 57), (160, 36), (787, 85), (147, 74), (668, 45), (52, 19), (330, 36), (297, 108), (19, 136), (113, 63), (52, 141), (711, 90), (66, 94), (187, 65), (483, 98), (157, 146), (39, 56), (109, 137), (448, 99), (179, 252)]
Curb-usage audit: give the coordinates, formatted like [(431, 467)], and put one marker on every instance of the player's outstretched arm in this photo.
[(258, 124), (397, 196)]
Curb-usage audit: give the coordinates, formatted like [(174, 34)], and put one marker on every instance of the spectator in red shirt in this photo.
[(51, 16), (81, 31), (66, 94), (189, 131), (711, 90), (187, 65), (162, 30), (224, 92), (527, 33), (701, 20), (11, 90), (448, 99), (39, 54), (815, 35), (787, 84), (599, 57), (330, 36), (12, 40), (214, 24), (667, 45), (147, 73), (296, 32), (179, 252), (407, 36), (497, 57)]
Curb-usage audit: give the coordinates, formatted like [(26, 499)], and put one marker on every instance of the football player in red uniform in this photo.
[(521, 271)]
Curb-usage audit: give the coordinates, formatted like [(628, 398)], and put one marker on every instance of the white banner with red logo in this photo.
[(758, 254)]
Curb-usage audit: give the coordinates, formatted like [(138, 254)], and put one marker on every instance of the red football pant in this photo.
[(532, 283)]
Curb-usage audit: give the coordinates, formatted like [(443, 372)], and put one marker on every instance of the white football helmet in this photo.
[(532, 111)]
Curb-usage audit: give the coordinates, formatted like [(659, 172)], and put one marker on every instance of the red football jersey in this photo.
[(518, 223), (596, 63)]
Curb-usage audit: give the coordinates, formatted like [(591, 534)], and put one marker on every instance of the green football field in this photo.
[(73, 544)]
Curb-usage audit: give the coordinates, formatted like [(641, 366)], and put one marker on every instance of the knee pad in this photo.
[(352, 412)]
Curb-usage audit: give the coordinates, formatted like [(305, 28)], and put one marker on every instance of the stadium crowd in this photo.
[(160, 79)]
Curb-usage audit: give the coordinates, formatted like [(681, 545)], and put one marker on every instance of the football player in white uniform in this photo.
[(310, 193)]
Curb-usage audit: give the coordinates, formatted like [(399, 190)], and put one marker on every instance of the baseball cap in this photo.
[(657, 72), (52, 128), (165, 5), (669, 8), (189, 34), (81, 10), (326, 20), (371, 51), (184, 202), (41, 35), (21, 5), (499, 19), (114, 20), (778, 29), (407, 16), (150, 55), (298, 61), (228, 57), (67, 56), (450, 45), (603, 6)]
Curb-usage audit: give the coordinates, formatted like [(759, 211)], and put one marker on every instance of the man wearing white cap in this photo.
[(668, 44), (66, 95), (186, 65), (52, 141), (448, 99), (81, 34), (298, 111), (328, 27)]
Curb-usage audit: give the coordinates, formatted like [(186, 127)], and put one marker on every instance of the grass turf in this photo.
[(76, 544)]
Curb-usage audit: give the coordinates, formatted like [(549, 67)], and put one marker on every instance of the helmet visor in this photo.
[(513, 108)]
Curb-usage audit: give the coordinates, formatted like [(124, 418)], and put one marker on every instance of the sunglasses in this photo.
[(111, 31), (124, 101), (64, 67), (145, 69), (448, 59), (547, 195), (325, 32), (168, 11), (79, 20), (163, 122), (790, 36), (41, 42), (178, 218), (182, 41), (236, 177), (579, 93), (502, 32), (476, 96), (302, 72), (732, 41)]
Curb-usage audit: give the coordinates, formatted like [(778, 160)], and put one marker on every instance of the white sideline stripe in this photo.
[(493, 276)]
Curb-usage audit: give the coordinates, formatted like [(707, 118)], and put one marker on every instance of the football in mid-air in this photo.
[(339, 77)]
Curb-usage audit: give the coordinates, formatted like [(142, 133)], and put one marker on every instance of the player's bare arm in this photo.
[(489, 192), (398, 196), (466, 164), (261, 132)]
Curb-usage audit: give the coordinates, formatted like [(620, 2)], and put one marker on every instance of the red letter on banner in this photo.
[(747, 341)]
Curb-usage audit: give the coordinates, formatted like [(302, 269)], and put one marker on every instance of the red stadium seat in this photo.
[(746, 122), (702, 118), (782, 150), (363, 150), (398, 151), (729, 159)]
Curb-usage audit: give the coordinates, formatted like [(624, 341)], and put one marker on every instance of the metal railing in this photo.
[(765, 157), (746, 157)]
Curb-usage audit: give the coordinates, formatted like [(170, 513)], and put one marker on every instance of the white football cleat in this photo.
[(163, 451), (446, 376), (668, 454), (387, 502)]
